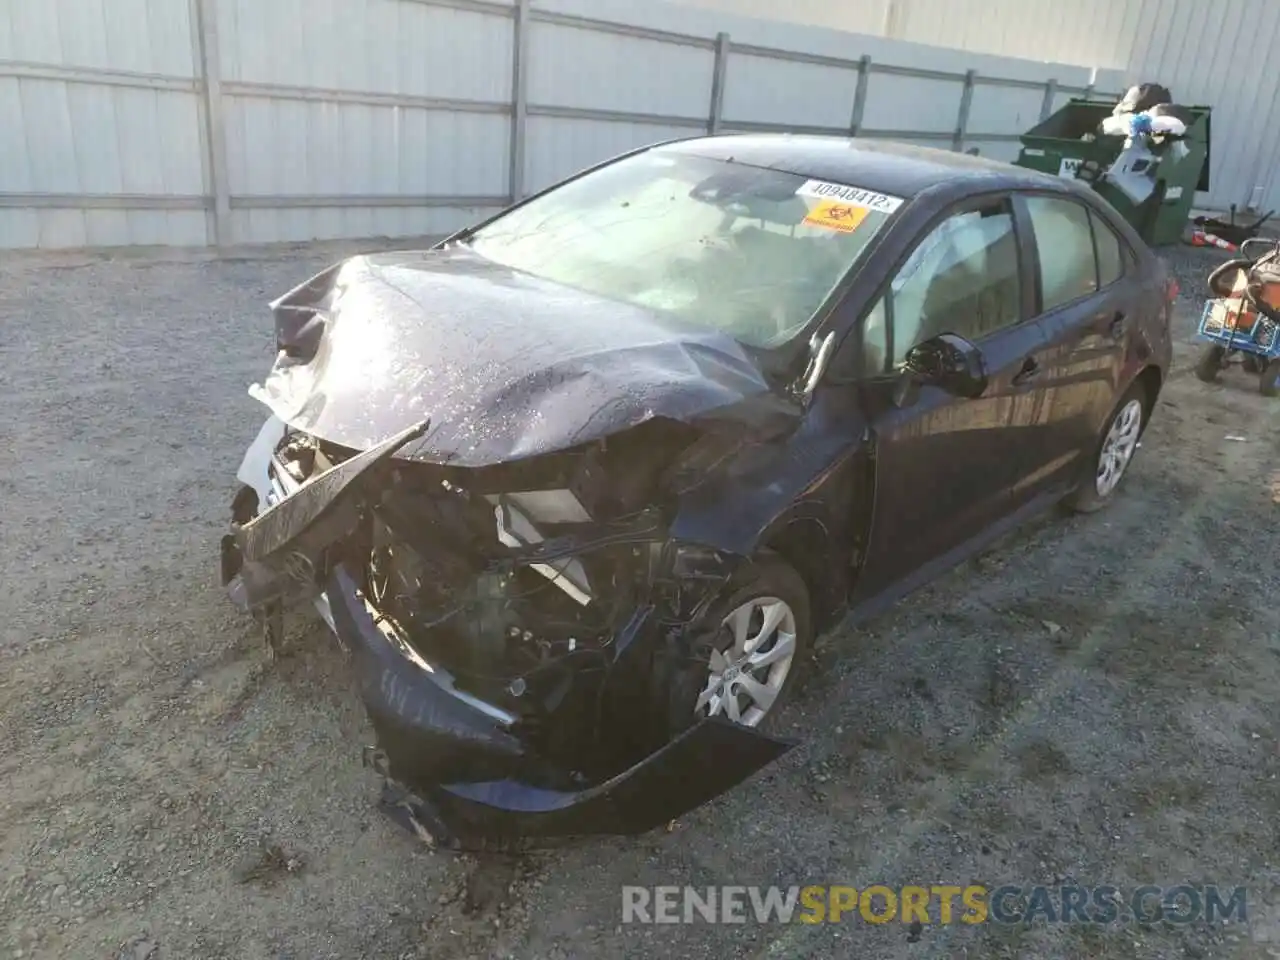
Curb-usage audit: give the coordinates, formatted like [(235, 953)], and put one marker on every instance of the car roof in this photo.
[(885, 166)]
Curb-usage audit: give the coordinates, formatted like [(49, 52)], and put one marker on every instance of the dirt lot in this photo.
[(1095, 701)]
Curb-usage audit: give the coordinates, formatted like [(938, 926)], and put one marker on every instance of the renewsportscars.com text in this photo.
[(935, 904)]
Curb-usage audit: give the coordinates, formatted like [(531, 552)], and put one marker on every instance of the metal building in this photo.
[(1207, 53), (192, 122)]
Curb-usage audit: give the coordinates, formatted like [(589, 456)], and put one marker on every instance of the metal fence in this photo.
[(219, 133)]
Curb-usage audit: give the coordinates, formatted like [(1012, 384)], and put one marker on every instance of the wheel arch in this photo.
[(1152, 379), (806, 542)]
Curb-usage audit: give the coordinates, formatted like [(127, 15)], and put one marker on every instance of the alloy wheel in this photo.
[(748, 672), (1118, 447)]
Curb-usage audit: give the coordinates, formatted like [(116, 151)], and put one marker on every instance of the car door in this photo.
[(1086, 297), (944, 465)]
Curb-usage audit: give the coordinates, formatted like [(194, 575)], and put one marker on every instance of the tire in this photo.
[(765, 577), (1092, 494), (1210, 363), (1269, 379)]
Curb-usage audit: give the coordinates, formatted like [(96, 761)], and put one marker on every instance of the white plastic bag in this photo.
[(1116, 126), (1168, 126)]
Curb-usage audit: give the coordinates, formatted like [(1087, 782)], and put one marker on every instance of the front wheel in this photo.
[(1114, 452), (762, 639), (1211, 362), (1269, 379)]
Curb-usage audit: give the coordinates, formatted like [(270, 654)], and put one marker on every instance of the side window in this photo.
[(962, 279), (1110, 252), (1064, 239), (875, 339)]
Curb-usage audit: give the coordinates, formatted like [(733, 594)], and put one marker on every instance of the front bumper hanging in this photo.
[(458, 769)]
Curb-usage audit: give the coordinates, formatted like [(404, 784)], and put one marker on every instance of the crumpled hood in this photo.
[(505, 365)]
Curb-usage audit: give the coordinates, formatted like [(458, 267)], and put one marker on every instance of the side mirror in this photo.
[(951, 363)]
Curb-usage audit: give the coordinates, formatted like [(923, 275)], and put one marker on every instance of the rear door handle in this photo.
[(1119, 326), (1030, 370)]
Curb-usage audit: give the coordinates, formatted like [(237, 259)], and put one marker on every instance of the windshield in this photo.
[(749, 251)]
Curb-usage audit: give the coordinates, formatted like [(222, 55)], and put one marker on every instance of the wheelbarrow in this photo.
[(1241, 322), (1229, 230)]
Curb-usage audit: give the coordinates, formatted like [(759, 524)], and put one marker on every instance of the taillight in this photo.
[(1171, 291)]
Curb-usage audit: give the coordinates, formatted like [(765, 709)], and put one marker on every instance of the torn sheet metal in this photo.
[(253, 471), (505, 365), (282, 547)]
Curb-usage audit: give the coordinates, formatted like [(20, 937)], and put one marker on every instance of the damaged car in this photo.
[(577, 487)]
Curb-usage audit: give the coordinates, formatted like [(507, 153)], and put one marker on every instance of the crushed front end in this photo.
[(528, 640)]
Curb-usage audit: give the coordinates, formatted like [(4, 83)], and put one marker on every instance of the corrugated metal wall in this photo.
[(116, 160), (1090, 33), (363, 118), (1219, 54), (232, 121)]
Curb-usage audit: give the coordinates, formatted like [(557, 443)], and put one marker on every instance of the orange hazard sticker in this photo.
[(836, 215)]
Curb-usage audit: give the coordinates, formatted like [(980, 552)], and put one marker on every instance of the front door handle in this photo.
[(1119, 326), (1030, 370)]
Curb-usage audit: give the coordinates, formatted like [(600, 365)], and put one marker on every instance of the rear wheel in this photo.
[(1269, 379), (1211, 362), (1114, 452)]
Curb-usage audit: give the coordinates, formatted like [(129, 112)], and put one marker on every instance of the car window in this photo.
[(1110, 252), (875, 339), (962, 278), (753, 252), (1064, 239)]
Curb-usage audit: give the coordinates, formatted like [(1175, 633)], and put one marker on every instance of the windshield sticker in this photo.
[(867, 199), (834, 215)]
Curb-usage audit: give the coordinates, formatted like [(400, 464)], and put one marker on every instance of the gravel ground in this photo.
[(1094, 700)]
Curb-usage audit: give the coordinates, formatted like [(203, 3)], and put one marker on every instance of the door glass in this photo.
[(1064, 240), (962, 279), (875, 340), (1110, 253)]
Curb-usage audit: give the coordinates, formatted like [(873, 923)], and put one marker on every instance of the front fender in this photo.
[(806, 497), (768, 486)]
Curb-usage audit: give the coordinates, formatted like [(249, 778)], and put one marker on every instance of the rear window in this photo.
[(746, 250), (1110, 252)]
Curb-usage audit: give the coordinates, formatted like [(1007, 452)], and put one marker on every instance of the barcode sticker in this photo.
[(854, 196)]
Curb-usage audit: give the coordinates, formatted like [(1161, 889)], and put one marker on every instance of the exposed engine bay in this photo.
[(528, 583), (510, 502)]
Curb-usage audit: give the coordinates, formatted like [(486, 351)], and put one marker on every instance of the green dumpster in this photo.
[(1067, 144)]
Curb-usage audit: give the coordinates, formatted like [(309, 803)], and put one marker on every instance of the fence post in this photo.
[(860, 95), (1050, 95), (717, 83), (966, 102), (519, 99), (215, 134)]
